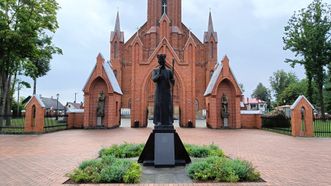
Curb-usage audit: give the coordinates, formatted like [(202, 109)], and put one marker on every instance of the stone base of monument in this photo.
[(164, 148)]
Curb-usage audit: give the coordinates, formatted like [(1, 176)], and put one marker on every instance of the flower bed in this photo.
[(209, 165)]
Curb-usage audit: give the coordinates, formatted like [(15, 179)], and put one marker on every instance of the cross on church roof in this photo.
[(164, 7)]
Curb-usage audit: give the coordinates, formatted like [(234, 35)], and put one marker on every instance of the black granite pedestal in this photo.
[(164, 148)]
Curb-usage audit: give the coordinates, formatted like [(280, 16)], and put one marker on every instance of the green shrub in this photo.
[(200, 170), (88, 163), (88, 172), (203, 151), (114, 173), (79, 176), (245, 170), (222, 169), (122, 151), (108, 169), (276, 119), (133, 174)]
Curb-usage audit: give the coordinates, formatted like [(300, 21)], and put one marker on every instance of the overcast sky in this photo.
[(250, 33)]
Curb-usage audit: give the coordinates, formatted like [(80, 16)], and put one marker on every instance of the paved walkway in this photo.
[(282, 160)]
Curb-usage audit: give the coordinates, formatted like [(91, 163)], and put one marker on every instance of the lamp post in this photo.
[(57, 106), (75, 96), (18, 98)]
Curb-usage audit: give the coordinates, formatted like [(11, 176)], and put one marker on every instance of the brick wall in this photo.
[(251, 121), (75, 120)]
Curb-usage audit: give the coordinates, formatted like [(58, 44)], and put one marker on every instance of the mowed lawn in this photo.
[(16, 125), (321, 129)]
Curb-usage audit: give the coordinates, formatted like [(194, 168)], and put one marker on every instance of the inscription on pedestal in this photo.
[(164, 152)]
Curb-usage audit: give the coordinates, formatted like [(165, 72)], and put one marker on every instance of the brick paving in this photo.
[(282, 160)]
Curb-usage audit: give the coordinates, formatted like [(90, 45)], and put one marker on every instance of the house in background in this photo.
[(254, 104), (51, 106), (286, 109), (72, 106)]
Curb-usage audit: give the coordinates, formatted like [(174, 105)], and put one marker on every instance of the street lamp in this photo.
[(57, 106), (18, 98)]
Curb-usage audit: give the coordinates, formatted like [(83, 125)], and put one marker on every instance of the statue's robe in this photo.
[(163, 107)]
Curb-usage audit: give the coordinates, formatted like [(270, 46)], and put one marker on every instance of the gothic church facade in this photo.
[(194, 64)]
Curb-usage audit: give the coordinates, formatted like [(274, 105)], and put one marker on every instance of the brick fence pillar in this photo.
[(34, 116), (302, 118)]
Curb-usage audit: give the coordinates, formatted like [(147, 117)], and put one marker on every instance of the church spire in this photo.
[(210, 24), (117, 24), (117, 30), (210, 31)]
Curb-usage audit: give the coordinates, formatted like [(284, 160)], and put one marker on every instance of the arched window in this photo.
[(129, 103), (212, 48), (115, 50), (33, 123), (164, 7), (303, 124), (196, 105)]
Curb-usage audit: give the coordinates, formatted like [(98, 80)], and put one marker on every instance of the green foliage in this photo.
[(26, 29), (280, 81), (88, 172), (197, 151), (222, 169), (114, 173), (133, 174), (307, 35), (245, 170), (263, 93), (200, 171), (122, 151), (109, 169), (292, 92), (276, 119)]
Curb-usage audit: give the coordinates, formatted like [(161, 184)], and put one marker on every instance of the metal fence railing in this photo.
[(322, 128), (280, 124), (11, 124), (54, 123)]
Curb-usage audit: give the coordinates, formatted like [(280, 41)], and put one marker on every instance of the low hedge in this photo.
[(221, 169), (125, 150), (112, 167), (276, 120), (108, 169), (204, 151)]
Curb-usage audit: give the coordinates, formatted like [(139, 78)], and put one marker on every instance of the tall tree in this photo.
[(25, 31), (263, 93), (280, 81), (308, 36), (293, 91)]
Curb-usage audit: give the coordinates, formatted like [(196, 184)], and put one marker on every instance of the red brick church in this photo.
[(201, 81)]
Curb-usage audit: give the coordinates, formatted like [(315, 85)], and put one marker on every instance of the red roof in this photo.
[(253, 101)]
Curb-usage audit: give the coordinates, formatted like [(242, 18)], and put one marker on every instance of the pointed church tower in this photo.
[(156, 8), (116, 49), (210, 42)]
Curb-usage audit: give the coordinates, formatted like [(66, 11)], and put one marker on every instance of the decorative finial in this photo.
[(164, 8)]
